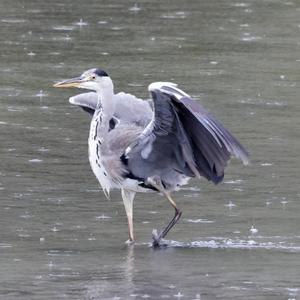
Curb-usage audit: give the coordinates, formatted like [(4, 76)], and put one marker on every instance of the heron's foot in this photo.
[(129, 242), (157, 240)]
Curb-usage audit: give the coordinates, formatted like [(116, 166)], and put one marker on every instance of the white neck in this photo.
[(106, 99)]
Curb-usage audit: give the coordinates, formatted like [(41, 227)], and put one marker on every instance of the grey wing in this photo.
[(182, 137), (87, 101), (128, 107), (132, 109)]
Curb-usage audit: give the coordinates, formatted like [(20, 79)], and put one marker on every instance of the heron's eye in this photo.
[(93, 77)]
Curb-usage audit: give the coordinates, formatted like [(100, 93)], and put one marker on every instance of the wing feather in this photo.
[(128, 107), (198, 143)]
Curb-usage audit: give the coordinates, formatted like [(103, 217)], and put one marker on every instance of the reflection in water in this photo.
[(129, 269), (124, 272)]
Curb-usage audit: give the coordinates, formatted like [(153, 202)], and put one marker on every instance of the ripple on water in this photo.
[(103, 217), (230, 205), (26, 216), (241, 4), (135, 84), (43, 149), (116, 28), (9, 91), (293, 291), (135, 8), (31, 53), (54, 53), (191, 188), (64, 275), (236, 181), (63, 28), (35, 160), (62, 38), (243, 244), (13, 20), (81, 23), (16, 109), (199, 221), (176, 15), (5, 245), (34, 11), (253, 101), (192, 195), (250, 38), (41, 94), (61, 252)]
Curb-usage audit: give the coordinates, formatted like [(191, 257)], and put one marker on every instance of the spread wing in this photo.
[(87, 101), (182, 136), (128, 107)]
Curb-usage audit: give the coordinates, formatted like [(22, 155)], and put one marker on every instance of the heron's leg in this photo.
[(174, 220), (156, 182), (128, 197)]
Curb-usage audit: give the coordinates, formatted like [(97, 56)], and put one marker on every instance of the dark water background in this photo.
[(61, 239)]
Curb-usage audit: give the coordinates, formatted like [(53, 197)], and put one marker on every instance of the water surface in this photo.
[(61, 239)]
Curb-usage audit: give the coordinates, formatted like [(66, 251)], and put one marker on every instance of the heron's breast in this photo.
[(95, 157), (97, 165), (95, 127)]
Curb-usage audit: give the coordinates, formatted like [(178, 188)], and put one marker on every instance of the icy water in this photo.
[(61, 239)]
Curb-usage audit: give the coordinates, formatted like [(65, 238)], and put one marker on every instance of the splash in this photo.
[(227, 243)]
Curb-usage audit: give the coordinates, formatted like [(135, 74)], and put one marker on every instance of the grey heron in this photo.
[(137, 148)]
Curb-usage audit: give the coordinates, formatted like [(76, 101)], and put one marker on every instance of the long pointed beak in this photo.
[(73, 82)]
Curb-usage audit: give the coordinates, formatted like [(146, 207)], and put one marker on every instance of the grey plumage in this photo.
[(128, 107), (136, 148), (182, 138)]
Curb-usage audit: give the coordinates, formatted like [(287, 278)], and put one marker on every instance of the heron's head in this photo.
[(93, 79)]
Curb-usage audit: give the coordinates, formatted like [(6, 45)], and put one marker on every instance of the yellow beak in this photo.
[(73, 82)]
